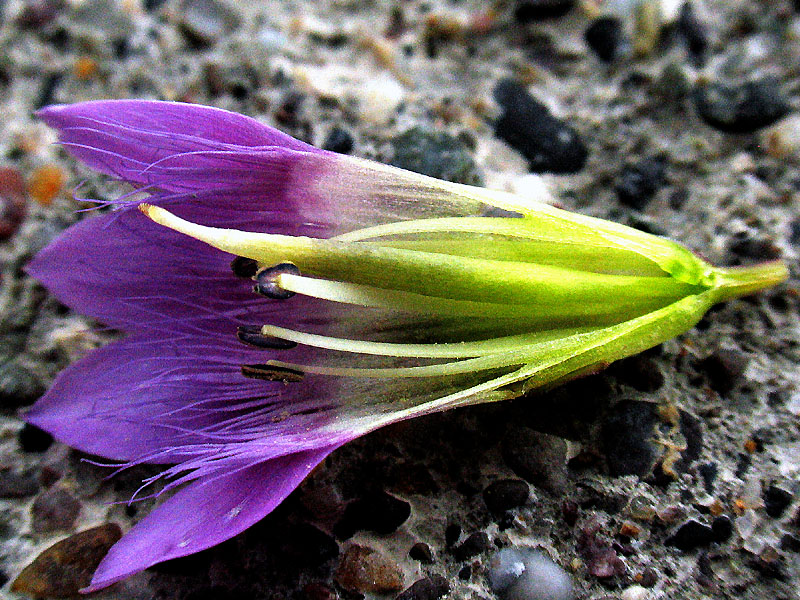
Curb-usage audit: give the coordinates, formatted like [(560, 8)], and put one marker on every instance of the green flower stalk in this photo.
[(280, 301)]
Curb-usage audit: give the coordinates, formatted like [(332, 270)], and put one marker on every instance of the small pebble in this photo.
[(506, 494), (527, 11), (756, 249), (206, 21), (338, 140), (601, 558), (364, 570), (45, 184), (692, 534), (538, 458), (13, 202), (776, 501), (67, 566), (380, 97), (605, 36), (451, 534), (526, 574), (475, 544), (639, 182), (434, 153), (722, 528), (635, 592), (54, 510), (549, 144), (743, 108), (33, 439), (421, 552), (648, 577), (429, 588)]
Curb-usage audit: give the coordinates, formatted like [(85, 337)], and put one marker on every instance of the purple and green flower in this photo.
[(280, 300)]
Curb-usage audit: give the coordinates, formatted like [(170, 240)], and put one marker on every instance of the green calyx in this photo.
[(507, 304)]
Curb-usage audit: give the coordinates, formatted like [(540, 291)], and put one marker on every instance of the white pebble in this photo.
[(635, 592), (525, 574), (380, 97)]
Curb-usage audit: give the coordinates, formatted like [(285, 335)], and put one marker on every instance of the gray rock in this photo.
[(434, 153), (539, 458)]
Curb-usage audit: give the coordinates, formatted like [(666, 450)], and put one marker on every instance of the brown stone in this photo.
[(365, 570), (67, 566)]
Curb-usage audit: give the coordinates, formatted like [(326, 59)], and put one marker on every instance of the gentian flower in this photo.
[(280, 300)]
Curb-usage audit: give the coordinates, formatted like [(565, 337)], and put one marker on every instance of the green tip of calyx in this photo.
[(735, 282)]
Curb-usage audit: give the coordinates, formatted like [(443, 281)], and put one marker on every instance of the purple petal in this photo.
[(141, 132), (157, 399), (205, 513)]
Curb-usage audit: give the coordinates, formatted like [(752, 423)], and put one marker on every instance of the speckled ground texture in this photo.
[(675, 474)]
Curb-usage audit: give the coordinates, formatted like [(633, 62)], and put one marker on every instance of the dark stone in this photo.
[(451, 534), (724, 369), (527, 11), (538, 458), (506, 494), (429, 588), (626, 437), (722, 527), (550, 145), (776, 501), (465, 573), (794, 232), (694, 32), (18, 386), (638, 183), (743, 108), (474, 545), (604, 36), (375, 511), (339, 140), (33, 439), (760, 249), (708, 471), (640, 372), (54, 510), (434, 153), (15, 484), (692, 534), (67, 566), (421, 552)]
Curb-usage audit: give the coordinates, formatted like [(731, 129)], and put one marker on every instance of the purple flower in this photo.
[(382, 295)]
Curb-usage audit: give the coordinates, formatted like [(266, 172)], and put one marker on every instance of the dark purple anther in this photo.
[(267, 281), (252, 336)]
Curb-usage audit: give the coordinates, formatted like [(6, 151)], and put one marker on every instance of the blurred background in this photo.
[(673, 474)]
